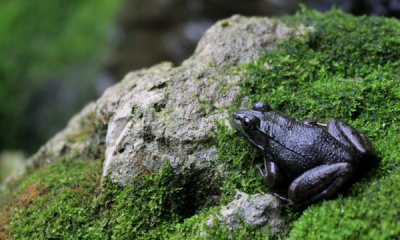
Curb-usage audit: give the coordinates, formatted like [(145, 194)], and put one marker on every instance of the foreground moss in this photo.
[(345, 68), (54, 202), (371, 211), (64, 200)]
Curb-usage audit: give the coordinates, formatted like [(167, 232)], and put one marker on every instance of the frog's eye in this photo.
[(261, 107), (249, 122)]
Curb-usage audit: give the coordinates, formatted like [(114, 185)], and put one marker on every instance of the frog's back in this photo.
[(297, 147)]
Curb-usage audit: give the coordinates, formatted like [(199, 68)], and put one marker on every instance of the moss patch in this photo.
[(238, 159), (371, 211), (55, 202), (151, 208), (64, 200)]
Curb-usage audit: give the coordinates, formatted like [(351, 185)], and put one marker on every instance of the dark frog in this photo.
[(309, 161)]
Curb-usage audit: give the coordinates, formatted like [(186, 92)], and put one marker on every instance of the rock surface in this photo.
[(170, 113), (254, 210)]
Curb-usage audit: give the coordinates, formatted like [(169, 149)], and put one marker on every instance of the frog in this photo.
[(304, 161)]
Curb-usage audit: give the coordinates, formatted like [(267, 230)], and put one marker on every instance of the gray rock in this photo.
[(239, 40), (170, 113), (254, 210)]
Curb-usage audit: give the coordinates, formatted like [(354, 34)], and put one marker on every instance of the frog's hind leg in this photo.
[(319, 183), (358, 142), (350, 137)]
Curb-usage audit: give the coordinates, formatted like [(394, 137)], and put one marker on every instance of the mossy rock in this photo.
[(342, 67)]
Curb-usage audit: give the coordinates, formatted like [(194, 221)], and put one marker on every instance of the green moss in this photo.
[(64, 200), (371, 211), (156, 203), (55, 202)]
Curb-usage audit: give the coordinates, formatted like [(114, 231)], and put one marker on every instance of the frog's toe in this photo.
[(262, 171), (314, 123)]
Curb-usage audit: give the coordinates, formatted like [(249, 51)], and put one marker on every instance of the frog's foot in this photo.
[(350, 137), (283, 198), (271, 173), (318, 183)]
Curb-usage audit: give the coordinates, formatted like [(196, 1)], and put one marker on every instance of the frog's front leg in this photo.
[(274, 178), (318, 183), (272, 174)]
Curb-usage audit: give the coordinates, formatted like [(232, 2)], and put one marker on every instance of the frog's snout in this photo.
[(236, 121), (236, 118)]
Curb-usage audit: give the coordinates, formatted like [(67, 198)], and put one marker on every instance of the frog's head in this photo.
[(248, 124)]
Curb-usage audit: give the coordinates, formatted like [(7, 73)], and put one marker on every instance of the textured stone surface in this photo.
[(254, 210), (167, 112), (239, 40), (164, 116)]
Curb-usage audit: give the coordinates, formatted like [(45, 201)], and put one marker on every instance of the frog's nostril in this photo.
[(236, 116)]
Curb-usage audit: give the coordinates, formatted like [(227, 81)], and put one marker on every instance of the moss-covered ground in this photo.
[(346, 68)]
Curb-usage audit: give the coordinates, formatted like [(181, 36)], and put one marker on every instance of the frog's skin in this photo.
[(309, 160)]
